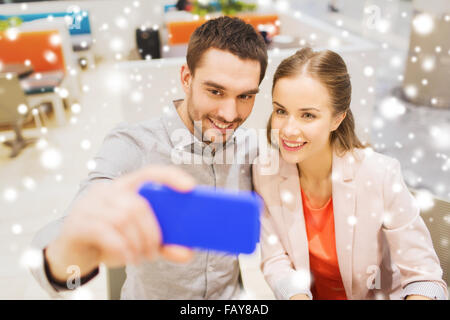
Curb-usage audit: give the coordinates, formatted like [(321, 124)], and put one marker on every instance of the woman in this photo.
[(339, 221)]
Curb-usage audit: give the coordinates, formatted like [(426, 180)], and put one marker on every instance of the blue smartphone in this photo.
[(206, 217)]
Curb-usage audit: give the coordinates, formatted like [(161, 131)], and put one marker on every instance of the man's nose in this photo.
[(228, 110)]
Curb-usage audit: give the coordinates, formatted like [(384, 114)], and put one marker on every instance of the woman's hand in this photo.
[(300, 296), (417, 297)]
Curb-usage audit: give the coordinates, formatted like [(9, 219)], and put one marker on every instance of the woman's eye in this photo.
[(280, 111), (309, 116)]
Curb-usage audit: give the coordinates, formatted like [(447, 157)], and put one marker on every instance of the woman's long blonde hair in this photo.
[(329, 68)]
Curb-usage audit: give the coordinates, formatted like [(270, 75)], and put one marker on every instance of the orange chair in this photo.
[(44, 51), (41, 48), (180, 31)]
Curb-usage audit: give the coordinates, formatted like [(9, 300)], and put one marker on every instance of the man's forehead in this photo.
[(225, 69), (222, 59)]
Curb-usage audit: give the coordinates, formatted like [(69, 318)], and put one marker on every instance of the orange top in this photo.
[(327, 282)]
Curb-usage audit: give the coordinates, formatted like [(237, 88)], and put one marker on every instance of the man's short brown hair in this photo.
[(228, 34)]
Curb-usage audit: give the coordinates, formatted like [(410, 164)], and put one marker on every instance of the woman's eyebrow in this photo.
[(300, 109)]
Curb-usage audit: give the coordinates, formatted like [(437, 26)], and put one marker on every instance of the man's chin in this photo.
[(215, 136)]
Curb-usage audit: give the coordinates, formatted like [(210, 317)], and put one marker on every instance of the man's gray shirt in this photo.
[(166, 140)]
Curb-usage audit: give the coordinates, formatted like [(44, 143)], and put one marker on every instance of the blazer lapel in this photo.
[(344, 199), (291, 204)]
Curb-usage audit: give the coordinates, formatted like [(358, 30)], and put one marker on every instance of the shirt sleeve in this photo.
[(63, 286), (424, 288)]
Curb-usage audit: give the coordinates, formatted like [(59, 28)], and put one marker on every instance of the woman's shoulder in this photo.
[(367, 162), (368, 157)]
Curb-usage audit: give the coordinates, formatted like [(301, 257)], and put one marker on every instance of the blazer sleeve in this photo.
[(409, 240), (276, 266)]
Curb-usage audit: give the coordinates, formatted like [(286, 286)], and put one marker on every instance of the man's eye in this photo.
[(215, 92), (246, 97)]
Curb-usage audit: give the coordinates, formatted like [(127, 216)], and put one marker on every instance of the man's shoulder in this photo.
[(141, 134), (149, 125)]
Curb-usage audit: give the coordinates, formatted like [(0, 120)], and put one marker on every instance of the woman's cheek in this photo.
[(276, 126)]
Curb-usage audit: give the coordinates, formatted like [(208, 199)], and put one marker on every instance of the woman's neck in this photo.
[(317, 169)]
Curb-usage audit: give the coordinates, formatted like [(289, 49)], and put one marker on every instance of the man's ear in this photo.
[(186, 78), (338, 120)]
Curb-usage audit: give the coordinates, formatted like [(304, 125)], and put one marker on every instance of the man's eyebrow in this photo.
[(251, 91), (300, 109), (213, 84), (220, 87)]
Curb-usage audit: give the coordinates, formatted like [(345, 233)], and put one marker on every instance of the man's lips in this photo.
[(222, 127)]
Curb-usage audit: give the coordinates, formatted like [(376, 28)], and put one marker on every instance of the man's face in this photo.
[(222, 93)]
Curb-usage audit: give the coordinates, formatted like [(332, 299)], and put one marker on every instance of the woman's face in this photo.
[(302, 112)]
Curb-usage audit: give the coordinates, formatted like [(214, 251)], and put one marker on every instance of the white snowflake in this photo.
[(352, 220), (286, 196), (10, 194), (16, 229), (424, 199), (29, 183), (91, 165), (75, 108), (302, 279), (392, 108), (272, 239), (51, 158), (31, 259), (423, 24), (396, 187), (85, 144)]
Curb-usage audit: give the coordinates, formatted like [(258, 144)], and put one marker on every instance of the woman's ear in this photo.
[(186, 77), (338, 120)]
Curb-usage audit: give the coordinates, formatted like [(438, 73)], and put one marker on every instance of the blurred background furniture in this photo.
[(79, 27), (437, 220), (44, 45), (115, 280), (148, 43), (428, 64), (22, 70), (68, 67), (13, 111)]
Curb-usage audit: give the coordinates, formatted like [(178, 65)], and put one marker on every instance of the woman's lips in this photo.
[(292, 145)]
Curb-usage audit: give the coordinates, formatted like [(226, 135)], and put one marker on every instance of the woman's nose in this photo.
[(291, 128)]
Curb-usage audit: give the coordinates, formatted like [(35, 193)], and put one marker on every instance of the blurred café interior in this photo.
[(70, 71)]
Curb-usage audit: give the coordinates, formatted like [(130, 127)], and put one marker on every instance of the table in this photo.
[(20, 69)]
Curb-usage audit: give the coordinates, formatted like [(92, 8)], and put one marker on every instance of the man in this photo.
[(108, 222)]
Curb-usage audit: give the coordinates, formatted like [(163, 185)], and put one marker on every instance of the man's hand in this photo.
[(112, 224)]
